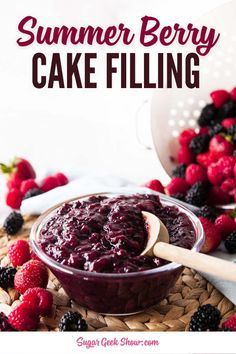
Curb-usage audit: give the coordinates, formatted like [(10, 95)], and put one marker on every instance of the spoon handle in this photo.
[(198, 261)]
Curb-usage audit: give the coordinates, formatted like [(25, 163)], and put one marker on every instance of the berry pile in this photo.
[(22, 184)]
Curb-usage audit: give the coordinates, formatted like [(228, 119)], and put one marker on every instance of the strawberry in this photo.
[(215, 174), (61, 179), (39, 299), (228, 122), (186, 136), (212, 236), (14, 198), (225, 224), (19, 167), (14, 182), (155, 185), (19, 252), (49, 183), (27, 185), (185, 155), (32, 274), (219, 144), (230, 323), (218, 196), (177, 185), (23, 318), (195, 173), (219, 97), (233, 94)]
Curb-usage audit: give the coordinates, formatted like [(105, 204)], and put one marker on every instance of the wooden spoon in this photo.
[(158, 245)]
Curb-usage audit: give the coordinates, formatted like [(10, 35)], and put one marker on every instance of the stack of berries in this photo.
[(22, 184), (29, 277)]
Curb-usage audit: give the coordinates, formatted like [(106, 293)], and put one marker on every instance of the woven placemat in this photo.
[(171, 314)]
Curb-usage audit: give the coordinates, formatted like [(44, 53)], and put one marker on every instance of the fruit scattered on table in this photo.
[(39, 299), (230, 323), (21, 182), (72, 321), (24, 318), (13, 223), (19, 252), (230, 242), (4, 323), (7, 275), (206, 318)]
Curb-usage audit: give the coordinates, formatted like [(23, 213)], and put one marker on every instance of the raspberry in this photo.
[(155, 185), (218, 196), (185, 155), (13, 223), (32, 193), (212, 235), (219, 144), (230, 242), (7, 275), (206, 318), (233, 94), (14, 198), (228, 122), (49, 183), (61, 179), (4, 323), (206, 158), (195, 173), (19, 252), (177, 185), (219, 97), (199, 143), (215, 174), (32, 274), (179, 171), (27, 185), (226, 165), (39, 299), (24, 318), (186, 136), (228, 185), (207, 116), (230, 323), (72, 321), (225, 224), (197, 194)]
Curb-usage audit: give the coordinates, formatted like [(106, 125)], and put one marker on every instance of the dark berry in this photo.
[(208, 212), (179, 171), (179, 196), (208, 115), (227, 110), (216, 129), (206, 318), (4, 324), (13, 223), (199, 144), (232, 130), (7, 275), (197, 194), (72, 321), (230, 242), (33, 193)]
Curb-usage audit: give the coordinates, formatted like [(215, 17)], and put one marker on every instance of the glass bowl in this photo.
[(115, 294)]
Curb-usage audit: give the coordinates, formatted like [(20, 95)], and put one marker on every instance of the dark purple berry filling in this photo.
[(107, 235)]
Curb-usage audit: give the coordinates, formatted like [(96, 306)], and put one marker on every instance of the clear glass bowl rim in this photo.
[(35, 232)]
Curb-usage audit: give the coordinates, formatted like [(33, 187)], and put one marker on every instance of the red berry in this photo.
[(32, 274), (27, 185), (206, 158), (218, 196), (219, 144), (49, 183), (230, 323), (203, 130), (177, 185), (233, 94), (225, 224), (228, 185), (24, 169), (195, 173), (228, 122), (155, 185), (212, 236), (61, 179), (19, 252), (185, 155), (14, 182), (186, 136), (234, 171), (219, 97), (40, 300), (24, 318), (226, 165), (215, 174), (14, 198)]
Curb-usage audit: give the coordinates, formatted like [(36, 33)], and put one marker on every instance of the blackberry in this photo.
[(4, 324), (197, 194), (179, 171), (206, 318), (208, 212), (227, 110), (13, 223), (230, 242), (32, 193), (199, 143), (7, 275), (72, 321), (208, 115), (179, 196), (232, 130), (216, 129)]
